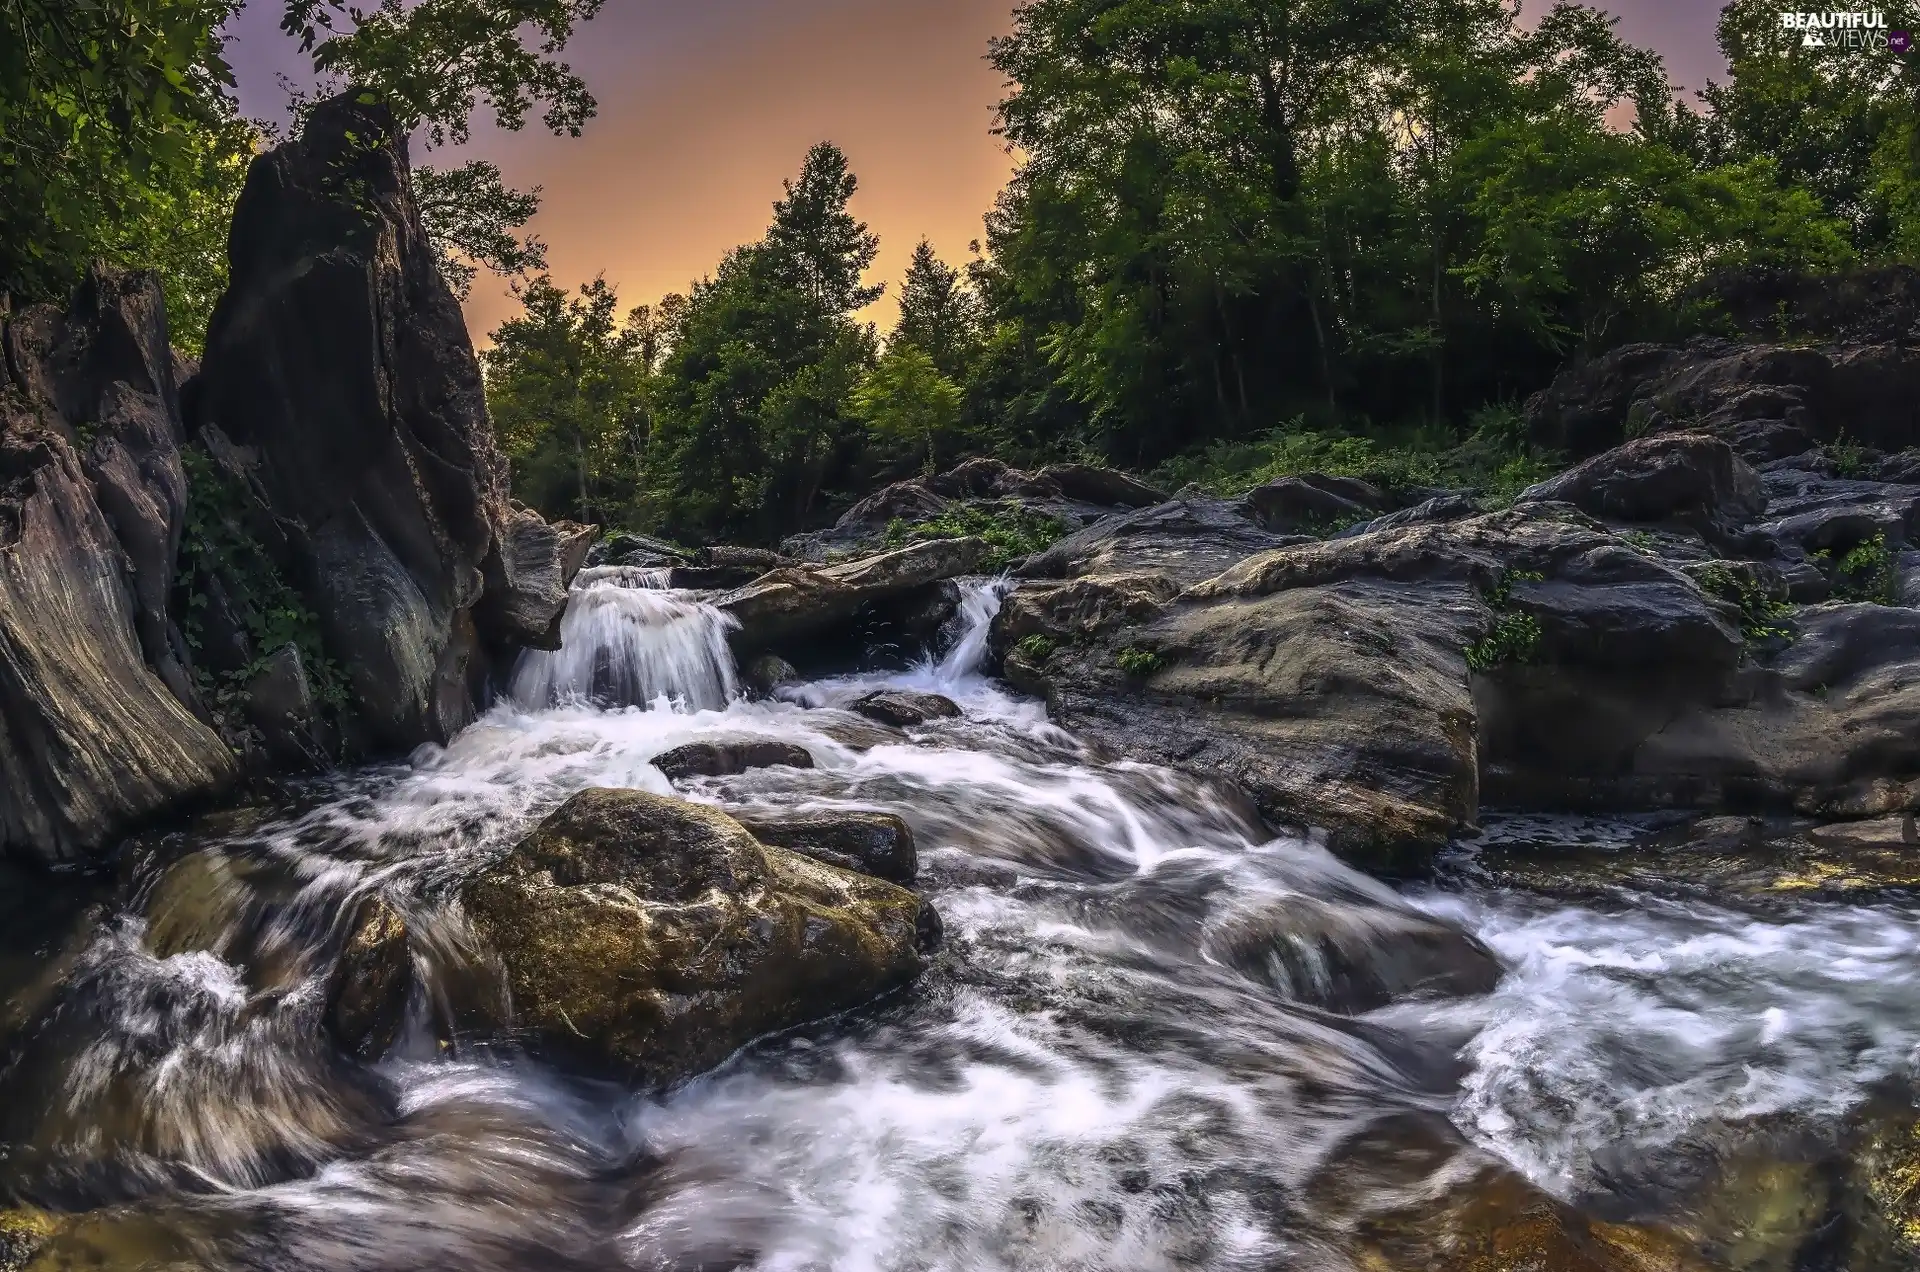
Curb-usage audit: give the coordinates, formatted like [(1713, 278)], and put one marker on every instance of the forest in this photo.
[(1243, 238)]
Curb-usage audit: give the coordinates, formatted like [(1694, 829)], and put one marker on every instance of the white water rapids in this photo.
[(1150, 1027)]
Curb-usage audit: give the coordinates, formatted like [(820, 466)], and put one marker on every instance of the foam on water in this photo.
[(1084, 1081), (625, 641)]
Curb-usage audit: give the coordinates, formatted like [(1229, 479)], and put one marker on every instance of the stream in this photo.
[(1149, 1036)]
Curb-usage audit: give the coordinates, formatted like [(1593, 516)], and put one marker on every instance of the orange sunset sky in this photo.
[(706, 104)]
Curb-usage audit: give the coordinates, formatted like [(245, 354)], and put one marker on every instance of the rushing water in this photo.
[(1152, 1028)]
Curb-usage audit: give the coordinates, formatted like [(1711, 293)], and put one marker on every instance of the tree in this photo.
[(939, 313), (118, 140), (567, 389), (471, 214), (906, 400), (437, 61), (754, 411), (1838, 122)]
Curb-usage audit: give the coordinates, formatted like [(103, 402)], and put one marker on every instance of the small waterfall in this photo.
[(628, 641), (979, 606)]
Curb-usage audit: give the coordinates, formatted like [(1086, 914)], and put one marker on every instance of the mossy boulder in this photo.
[(22, 1234), (652, 937)]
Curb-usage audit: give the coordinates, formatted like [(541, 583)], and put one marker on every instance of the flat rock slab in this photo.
[(902, 708), (724, 759)]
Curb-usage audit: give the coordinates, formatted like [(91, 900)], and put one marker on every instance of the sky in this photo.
[(705, 105)]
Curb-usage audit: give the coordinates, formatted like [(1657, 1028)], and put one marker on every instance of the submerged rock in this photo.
[(902, 708), (1407, 1192), (367, 1002), (724, 759), (877, 844), (655, 937), (1351, 957)]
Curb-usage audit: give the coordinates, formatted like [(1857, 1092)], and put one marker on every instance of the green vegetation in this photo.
[(1641, 541), (567, 388), (1868, 572), (1036, 648), (1515, 636), (1848, 457), (1138, 662), (1762, 617), (1011, 531), (120, 139), (227, 583), (1494, 459)]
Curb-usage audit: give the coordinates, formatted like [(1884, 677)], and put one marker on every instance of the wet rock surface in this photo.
[(878, 844), (903, 708), (722, 759), (657, 936)]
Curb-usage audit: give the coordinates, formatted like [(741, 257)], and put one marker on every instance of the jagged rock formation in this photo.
[(340, 416), (97, 710), (339, 385)]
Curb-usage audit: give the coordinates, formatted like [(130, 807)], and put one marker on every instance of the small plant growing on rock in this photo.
[(1641, 541), (1515, 636), (1138, 662), (1514, 639), (1036, 648), (1762, 618), (1868, 572), (1848, 457)]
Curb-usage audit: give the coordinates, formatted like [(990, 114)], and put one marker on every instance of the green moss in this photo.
[(1010, 530), (1035, 648), (1137, 661), (1641, 541), (217, 550)]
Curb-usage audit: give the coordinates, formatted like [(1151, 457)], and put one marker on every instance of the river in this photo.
[(1150, 1034)]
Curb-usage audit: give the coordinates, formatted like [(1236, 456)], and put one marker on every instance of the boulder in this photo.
[(1766, 400), (1312, 503), (367, 998), (91, 739), (724, 759), (528, 576), (1688, 478), (799, 603), (1186, 539), (766, 673), (638, 550), (903, 708), (279, 703), (1106, 487), (877, 844), (654, 937), (340, 386), (1444, 507)]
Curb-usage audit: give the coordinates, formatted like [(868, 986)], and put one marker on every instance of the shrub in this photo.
[(1868, 572), (1035, 648), (1762, 618), (1010, 530), (1137, 661)]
